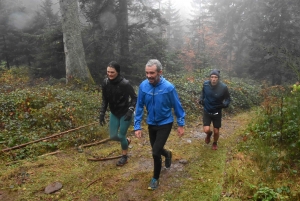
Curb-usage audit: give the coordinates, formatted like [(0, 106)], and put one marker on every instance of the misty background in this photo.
[(251, 39)]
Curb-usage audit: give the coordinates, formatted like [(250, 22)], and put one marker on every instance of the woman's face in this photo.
[(111, 73)]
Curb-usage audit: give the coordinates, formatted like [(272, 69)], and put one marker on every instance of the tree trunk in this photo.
[(76, 67), (124, 38), (6, 55)]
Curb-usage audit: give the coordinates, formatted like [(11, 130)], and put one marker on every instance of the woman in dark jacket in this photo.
[(119, 95)]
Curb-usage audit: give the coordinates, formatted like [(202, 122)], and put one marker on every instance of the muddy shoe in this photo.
[(208, 136), (168, 159), (122, 161), (153, 184), (214, 146)]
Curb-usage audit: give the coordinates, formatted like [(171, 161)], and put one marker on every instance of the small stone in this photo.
[(51, 188), (183, 161)]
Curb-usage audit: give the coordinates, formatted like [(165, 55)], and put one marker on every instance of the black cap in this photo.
[(215, 72)]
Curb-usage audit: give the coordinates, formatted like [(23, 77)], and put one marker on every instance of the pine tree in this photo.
[(10, 36), (45, 40)]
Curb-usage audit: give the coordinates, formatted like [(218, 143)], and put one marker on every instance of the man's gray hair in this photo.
[(155, 62)]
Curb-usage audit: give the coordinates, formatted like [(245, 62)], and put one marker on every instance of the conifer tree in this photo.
[(45, 39)]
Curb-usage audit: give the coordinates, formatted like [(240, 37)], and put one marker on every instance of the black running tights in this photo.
[(158, 137)]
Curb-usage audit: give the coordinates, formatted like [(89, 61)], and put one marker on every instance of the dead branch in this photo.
[(94, 143), (52, 153), (11, 163), (94, 182), (104, 159), (45, 138)]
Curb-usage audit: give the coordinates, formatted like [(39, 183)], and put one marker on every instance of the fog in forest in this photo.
[(243, 40), (21, 19)]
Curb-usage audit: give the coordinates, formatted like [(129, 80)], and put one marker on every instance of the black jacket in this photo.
[(214, 98), (119, 95)]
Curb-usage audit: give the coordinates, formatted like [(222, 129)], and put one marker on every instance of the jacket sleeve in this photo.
[(104, 103), (227, 98), (201, 98), (178, 109), (139, 110), (133, 96)]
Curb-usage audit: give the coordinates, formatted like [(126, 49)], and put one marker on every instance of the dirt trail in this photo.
[(130, 182), (136, 189)]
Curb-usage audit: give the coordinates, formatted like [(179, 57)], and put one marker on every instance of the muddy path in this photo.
[(103, 180), (140, 165)]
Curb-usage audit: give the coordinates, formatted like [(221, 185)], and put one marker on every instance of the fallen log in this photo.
[(104, 159), (94, 143), (46, 138)]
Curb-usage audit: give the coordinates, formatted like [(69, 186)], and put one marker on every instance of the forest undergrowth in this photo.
[(255, 160)]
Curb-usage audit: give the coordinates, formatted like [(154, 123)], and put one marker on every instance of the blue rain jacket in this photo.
[(159, 101)]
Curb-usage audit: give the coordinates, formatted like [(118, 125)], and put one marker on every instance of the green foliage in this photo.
[(13, 78), (32, 113), (265, 193), (244, 93), (276, 131)]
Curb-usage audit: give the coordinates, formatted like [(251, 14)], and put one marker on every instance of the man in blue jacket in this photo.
[(214, 97), (160, 97)]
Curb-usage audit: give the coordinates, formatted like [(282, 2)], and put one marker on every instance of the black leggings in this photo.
[(158, 137)]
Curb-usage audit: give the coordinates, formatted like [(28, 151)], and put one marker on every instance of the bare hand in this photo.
[(180, 131), (138, 133)]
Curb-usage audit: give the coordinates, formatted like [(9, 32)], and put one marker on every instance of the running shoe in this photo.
[(215, 146), (168, 159), (153, 184), (208, 136), (122, 161)]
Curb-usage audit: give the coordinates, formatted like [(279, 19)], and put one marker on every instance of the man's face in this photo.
[(214, 80), (111, 73), (152, 74)]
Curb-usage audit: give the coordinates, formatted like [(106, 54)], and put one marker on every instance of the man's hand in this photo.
[(101, 119), (180, 131), (129, 113), (138, 133)]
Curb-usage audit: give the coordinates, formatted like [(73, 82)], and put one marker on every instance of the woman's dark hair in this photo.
[(114, 65)]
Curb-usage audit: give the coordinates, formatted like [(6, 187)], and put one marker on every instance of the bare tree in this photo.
[(76, 67)]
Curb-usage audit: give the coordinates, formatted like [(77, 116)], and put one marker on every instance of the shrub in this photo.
[(33, 113), (278, 123)]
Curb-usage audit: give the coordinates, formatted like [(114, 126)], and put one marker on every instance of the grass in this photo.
[(241, 169), (250, 174), (198, 173), (202, 178)]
